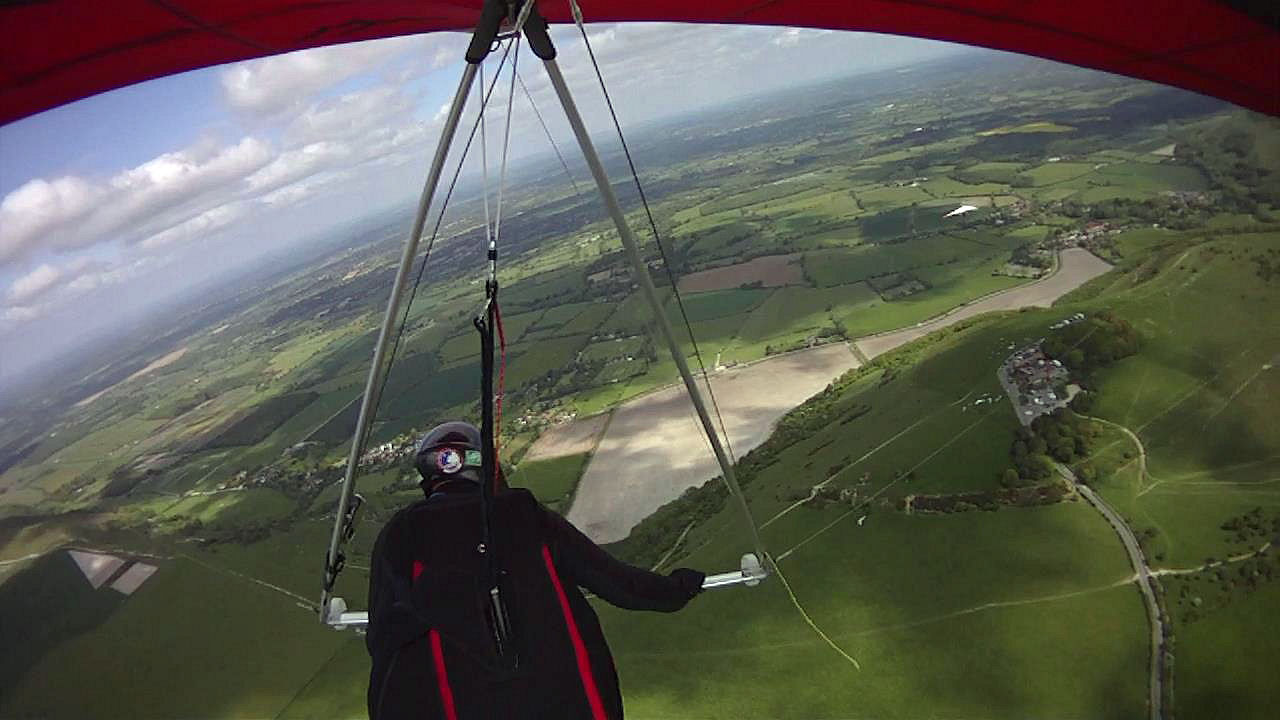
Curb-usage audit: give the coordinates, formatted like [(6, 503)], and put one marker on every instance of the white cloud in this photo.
[(40, 206), (350, 115), (294, 165), (34, 284), (100, 275), (791, 37), (18, 315), (202, 225), (72, 213), (299, 191), (48, 289), (267, 86)]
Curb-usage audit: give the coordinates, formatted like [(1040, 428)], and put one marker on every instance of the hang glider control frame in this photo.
[(524, 20)]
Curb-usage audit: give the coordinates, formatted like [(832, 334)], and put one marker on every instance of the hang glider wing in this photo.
[(56, 51)]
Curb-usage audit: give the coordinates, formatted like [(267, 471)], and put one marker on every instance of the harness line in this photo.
[(345, 519), (547, 131)]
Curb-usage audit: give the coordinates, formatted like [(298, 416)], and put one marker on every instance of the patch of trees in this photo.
[(1229, 155), (1062, 436), (261, 421), (123, 481), (1218, 584), (1026, 256), (1252, 527), (1031, 496), (1169, 212), (241, 535), (1268, 267), (652, 538), (9, 459), (1093, 343)]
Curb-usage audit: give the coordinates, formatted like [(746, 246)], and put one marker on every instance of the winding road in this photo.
[(1144, 577)]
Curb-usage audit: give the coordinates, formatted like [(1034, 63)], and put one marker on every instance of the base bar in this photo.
[(750, 574)]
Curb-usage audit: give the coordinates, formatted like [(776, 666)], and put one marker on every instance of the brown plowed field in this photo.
[(770, 270), (571, 438)]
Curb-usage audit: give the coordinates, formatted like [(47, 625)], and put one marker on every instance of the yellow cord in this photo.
[(808, 620)]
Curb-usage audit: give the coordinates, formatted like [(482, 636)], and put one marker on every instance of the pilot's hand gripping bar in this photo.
[(750, 575)]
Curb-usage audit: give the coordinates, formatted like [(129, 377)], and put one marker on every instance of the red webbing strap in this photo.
[(497, 397), (579, 647)]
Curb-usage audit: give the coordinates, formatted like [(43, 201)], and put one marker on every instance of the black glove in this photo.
[(690, 581)]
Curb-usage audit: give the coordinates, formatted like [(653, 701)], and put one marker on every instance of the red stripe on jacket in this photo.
[(579, 648), (437, 656), (442, 677)]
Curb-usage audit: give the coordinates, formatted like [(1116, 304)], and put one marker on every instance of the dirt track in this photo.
[(654, 448), (1077, 266)]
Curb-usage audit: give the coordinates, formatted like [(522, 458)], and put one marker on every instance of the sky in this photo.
[(113, 204)]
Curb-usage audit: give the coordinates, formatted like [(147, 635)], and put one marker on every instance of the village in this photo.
[(1035, 383)]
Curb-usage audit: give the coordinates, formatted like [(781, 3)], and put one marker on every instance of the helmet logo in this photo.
[(449, 461)]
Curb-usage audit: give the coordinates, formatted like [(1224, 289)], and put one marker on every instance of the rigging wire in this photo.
[(506, 142), (653, 226), (435, 232), (484, 158), (547, 131)]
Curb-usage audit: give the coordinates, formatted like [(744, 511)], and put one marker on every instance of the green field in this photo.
[(1206, 425), (162, 638), (1243, 631), (551, 481)]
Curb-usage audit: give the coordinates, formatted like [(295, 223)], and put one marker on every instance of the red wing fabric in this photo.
[(56, 51)]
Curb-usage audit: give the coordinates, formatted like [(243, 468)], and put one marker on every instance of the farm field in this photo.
[(768, 271), (1076, 267)]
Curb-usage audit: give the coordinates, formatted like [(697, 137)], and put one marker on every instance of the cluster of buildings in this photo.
[(544, 418), (1034, 383), (389, 452), (1093, 230)]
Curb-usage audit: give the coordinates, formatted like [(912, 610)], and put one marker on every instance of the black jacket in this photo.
[(429, 633)]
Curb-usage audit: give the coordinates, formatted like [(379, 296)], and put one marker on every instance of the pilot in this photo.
[(461, 629)]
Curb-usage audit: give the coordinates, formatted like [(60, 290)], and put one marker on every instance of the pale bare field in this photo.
[(571, 438), (169, 359), (654, 448), (770, 270), (154, 365), (1076, 267)]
